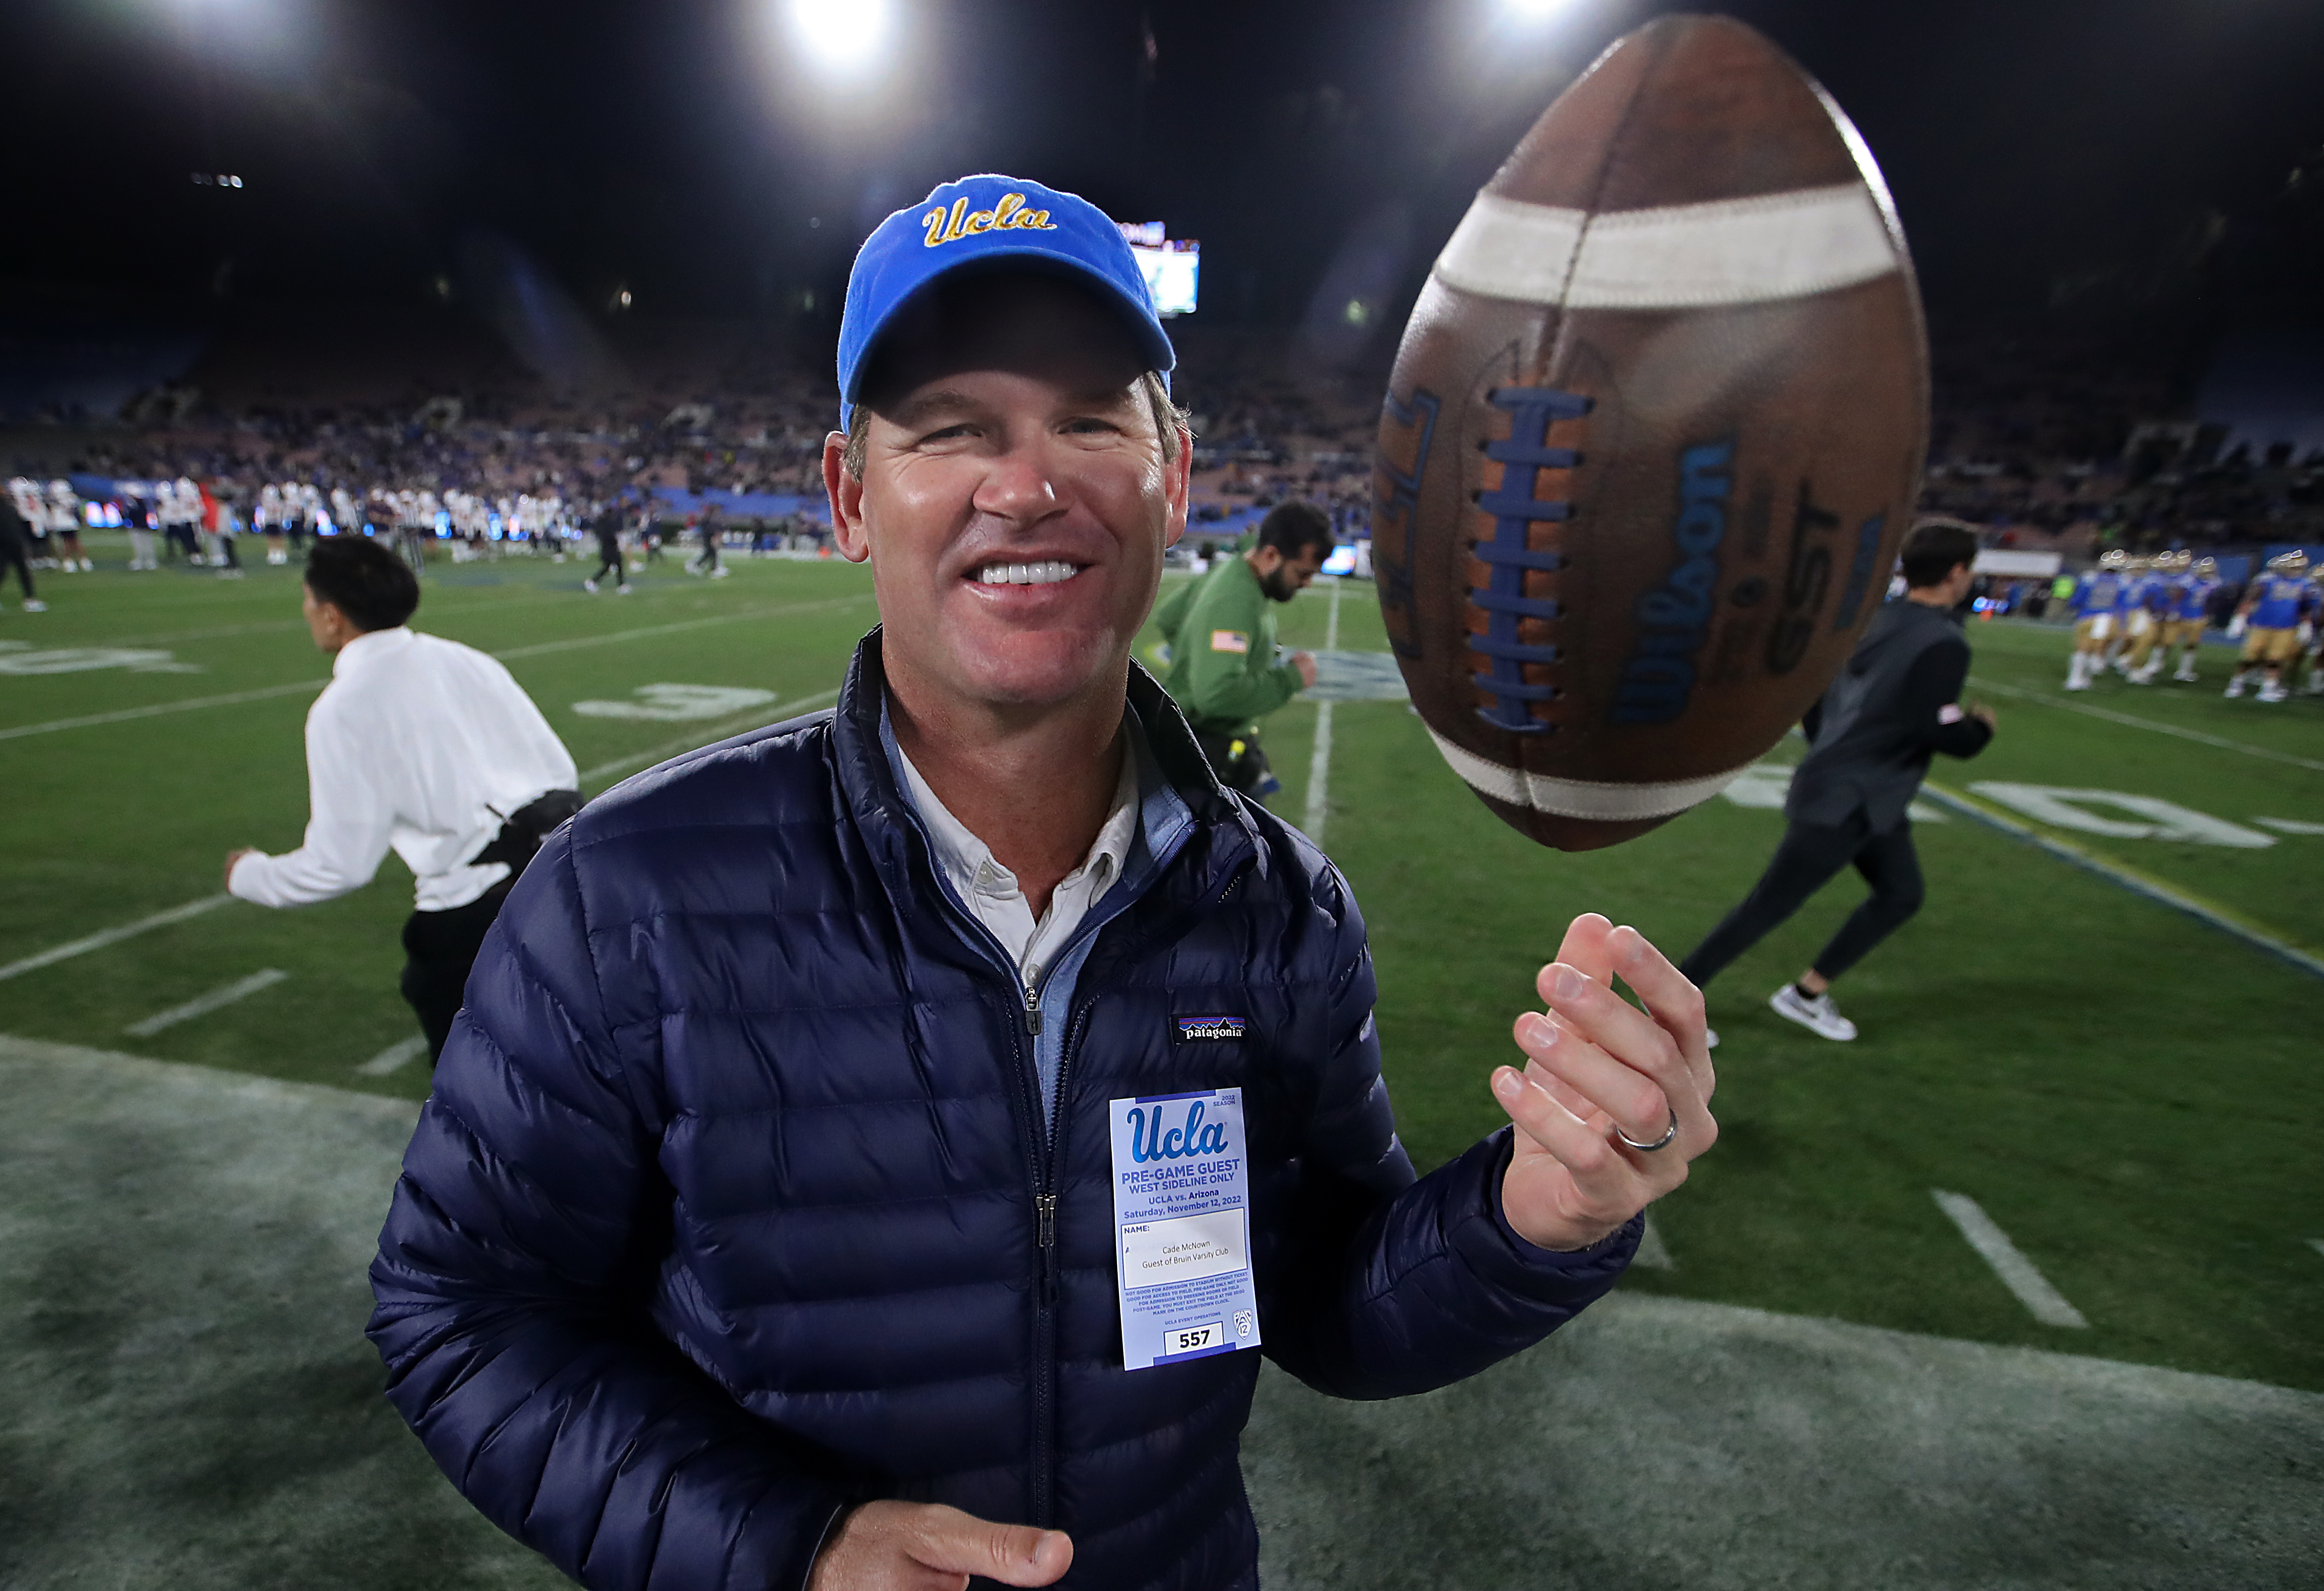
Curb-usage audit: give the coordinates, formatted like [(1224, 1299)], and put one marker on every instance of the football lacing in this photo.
[(1509, 556)]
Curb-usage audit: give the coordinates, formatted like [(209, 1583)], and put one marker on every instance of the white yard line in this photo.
[(234, 698), (1319, 766), (546, 648), (159, 709), (240, 989), (267, 627), (112, 936), (394, 1056), (2049, 1306), (756, 719), (2043, 698)]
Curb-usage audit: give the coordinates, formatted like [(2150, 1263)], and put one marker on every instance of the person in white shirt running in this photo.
[(424, 746)]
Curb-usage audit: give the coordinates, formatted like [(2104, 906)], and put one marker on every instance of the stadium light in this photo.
[(1535, 10), (843, 37)]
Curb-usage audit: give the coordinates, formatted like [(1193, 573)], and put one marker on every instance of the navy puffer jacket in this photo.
[(727, 1211)]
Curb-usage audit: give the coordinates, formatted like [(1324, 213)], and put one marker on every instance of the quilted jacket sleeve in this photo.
[(510, 1284), (1403, 1286)]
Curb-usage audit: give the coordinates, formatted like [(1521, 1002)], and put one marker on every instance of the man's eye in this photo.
[(950, 433)]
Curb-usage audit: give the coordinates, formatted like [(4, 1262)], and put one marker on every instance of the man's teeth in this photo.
[(1024, 574)]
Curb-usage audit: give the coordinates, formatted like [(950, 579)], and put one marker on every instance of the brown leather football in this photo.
[(1653, 438)]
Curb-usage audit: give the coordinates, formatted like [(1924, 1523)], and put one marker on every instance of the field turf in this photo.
[(2124, 1088)]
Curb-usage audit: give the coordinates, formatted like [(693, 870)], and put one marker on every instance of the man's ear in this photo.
[(846, 497), (1179, 488)]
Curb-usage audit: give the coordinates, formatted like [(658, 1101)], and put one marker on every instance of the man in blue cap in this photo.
[(872, 1144)]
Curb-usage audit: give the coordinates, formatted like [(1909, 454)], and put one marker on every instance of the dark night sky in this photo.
[(680, 147)]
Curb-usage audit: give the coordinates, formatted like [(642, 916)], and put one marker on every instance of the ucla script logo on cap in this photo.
[(948, 226), (990, 221)]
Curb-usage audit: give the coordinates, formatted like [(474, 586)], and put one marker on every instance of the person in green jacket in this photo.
[(1223, 671)]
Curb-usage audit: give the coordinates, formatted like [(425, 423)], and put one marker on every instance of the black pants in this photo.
[(1245, 770), (438, 949), (1804, 863), (11, 557), (610, 558)]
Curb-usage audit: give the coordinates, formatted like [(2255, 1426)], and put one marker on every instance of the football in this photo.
[(1652, 437)]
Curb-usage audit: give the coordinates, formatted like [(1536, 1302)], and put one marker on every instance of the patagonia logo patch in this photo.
[(1209, 1027), (1230, 641)]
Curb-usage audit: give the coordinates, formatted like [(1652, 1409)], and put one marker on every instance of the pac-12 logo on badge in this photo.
[(1182, 1211)]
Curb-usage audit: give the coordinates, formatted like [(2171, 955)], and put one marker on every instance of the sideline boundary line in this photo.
[(2218, 742), (112, 936), (542, 649), (2153, 889), (1319, 766)]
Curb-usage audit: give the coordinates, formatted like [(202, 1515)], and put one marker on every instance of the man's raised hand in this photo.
[(1599, 1069), (927, 1547)]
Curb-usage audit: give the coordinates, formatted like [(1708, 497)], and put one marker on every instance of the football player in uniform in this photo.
[(2098, 599), (138, 517), (2190, 613), (64, 528), (2314, 631), (2270, 619), (2142, 621), (266, 519)]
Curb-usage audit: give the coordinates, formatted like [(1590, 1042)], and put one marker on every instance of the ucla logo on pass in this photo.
[(1150, 1139)]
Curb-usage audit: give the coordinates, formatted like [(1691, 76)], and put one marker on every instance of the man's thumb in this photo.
[(1014, 1555)]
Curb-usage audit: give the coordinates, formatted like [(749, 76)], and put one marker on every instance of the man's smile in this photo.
[(1048, 572)]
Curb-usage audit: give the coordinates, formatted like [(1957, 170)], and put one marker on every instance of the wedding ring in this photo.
[(1661, 1142)]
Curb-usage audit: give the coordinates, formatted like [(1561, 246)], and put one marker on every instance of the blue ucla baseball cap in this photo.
[(982, 220)]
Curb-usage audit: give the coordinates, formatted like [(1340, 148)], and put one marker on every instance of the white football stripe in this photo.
[(1741, 251), (1577, 798)]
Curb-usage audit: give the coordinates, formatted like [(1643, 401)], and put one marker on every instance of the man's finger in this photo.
[(1601, 1174), (957, 1543), (1627, 1096), (1584, 947), (1671, 997), (1590, 1007)]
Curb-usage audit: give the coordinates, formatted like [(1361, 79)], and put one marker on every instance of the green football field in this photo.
[(2123, 1085)]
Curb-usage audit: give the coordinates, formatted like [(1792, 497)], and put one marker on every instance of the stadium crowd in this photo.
[(2049, 444)]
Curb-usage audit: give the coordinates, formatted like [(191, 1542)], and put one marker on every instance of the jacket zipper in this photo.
[(1046, 1195)]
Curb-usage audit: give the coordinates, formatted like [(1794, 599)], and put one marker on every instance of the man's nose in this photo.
[(1019, 483)]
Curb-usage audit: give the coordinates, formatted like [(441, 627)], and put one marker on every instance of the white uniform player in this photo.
[(64, 528)]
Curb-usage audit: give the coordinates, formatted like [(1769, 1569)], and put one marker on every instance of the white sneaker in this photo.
[(623, 590), (721, 572), (2185, 678), (590, 586), (33, 605), (1818, 1015), (2235, 687), (2271, 693)]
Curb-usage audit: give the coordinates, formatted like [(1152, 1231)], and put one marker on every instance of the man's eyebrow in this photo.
[(921, 405)]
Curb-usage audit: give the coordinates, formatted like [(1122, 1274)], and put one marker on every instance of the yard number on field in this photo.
[(677, 704)]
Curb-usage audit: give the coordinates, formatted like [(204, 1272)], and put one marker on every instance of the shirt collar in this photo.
[(368, 648), (969, 863)]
